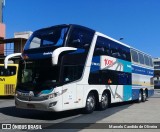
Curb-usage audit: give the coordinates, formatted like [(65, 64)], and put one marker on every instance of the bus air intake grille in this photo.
[(9, 89)]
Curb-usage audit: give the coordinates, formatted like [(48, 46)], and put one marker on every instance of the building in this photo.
[(14, 45), (157, 73), (2, 27), (11, 45), (18, 46)]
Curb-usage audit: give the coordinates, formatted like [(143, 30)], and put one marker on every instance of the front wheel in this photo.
[(104, 101), (90, 103)]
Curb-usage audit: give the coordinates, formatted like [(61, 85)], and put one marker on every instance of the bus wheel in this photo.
[(144, 96), (140, 96), (104, 101), (90, 103)]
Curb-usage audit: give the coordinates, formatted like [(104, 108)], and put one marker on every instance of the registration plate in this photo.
[(30, 106)]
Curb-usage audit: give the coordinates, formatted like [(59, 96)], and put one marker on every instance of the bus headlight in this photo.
[(53, 95), (18, 93)]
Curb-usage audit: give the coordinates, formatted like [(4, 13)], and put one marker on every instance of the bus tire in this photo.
[(104, 101), (90, 103), (140, 97), (144, 96)]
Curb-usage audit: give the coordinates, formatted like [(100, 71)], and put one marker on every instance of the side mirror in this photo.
[(58, 51), (8, 57)]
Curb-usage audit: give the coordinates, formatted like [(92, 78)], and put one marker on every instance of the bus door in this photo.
[(69, 97)]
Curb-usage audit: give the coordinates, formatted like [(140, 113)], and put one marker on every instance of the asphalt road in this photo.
[(129, 112)]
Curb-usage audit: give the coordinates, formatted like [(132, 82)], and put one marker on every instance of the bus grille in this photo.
[(9, 89)]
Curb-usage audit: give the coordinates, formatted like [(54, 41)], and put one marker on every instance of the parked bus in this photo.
[(8, 79), (68, 67)]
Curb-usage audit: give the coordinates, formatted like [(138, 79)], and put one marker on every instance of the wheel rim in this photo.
[(104, 100), (140, 96), (144, 95), (90, 103)]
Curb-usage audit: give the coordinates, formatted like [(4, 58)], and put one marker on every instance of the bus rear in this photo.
[(8, 79)]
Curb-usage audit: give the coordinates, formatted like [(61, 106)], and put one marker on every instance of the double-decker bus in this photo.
[(8, 79), (68, 67)]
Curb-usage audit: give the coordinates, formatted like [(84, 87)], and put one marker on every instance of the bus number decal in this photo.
[(108, 62)]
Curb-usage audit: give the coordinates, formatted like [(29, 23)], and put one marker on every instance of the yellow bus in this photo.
[(8, 79)]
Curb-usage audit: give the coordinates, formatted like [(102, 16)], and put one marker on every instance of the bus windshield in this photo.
[(54, 36), (8, 72), (39, 75)]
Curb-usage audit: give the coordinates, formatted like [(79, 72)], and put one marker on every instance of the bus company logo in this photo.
[(47, 53), (108, 62), (2, 79), (31, 94)]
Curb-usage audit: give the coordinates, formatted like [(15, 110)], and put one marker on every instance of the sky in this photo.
[(137, 21)]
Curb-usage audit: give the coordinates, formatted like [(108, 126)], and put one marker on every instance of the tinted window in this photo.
[(146, 60), (141, 58), (10, 71), (108, 47), (73, 62), (72, 73), (157, 67), (134, 55), (157, 63), (80, 38), (110, 77), (54, 36)]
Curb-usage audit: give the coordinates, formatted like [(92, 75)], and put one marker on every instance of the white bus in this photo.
[(68, 67)]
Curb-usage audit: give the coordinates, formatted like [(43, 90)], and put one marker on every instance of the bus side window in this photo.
[(80, 38), (134, 56), (151, 62), (141, 58), (104, 46), (146, 59)]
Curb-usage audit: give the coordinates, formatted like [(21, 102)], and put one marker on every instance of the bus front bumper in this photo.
[(46, 105)]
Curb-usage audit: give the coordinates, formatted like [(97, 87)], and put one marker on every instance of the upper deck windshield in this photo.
[(54, 36)]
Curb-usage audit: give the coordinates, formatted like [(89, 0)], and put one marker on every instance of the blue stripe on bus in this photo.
[(135, 94), (78, 51), (49, 54), (37, 94), (126, 65), (95, 65), (140, 70), (127, 91), (39, 56)]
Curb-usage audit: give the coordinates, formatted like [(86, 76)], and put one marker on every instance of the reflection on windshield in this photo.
[(47, 37)]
